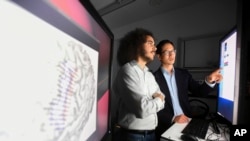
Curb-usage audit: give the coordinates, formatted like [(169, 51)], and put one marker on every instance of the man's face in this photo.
[(148, 50), (167, 56)]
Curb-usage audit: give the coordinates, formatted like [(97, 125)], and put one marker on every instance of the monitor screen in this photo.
[(55, 71), (226, 94)]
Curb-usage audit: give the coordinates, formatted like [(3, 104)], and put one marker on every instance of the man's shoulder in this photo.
[(182, 70), (158, 71), (128, 68)]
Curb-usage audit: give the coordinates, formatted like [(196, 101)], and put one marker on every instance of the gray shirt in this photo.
[(134, 88)]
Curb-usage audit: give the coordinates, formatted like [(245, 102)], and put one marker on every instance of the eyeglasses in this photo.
[(169, 52)]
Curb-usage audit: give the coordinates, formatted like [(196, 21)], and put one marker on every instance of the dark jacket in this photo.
[(185, 84)]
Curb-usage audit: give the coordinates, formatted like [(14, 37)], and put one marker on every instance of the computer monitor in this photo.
[(227, 94), (234, 91), (55, 58)]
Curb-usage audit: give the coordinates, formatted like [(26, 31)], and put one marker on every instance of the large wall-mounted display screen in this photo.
[(55, 72)]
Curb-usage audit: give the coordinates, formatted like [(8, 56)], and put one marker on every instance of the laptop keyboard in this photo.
[(197, 127)]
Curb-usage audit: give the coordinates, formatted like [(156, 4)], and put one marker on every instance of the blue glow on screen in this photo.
[(225, 108)]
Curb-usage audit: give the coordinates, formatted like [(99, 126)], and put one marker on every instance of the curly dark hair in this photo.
[(130, 43)]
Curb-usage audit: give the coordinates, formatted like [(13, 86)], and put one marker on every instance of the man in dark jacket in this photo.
[(175, 83)]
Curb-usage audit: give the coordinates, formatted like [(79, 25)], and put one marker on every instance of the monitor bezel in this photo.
[(221, 118)]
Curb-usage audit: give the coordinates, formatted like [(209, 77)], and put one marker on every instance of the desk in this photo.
[(174, 133)]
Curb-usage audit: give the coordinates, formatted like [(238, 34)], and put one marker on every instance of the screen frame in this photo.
[(93, 12), (234, 103), (89, 6)]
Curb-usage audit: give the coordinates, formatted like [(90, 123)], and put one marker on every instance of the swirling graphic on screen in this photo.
[(48, 80), (69, 110)]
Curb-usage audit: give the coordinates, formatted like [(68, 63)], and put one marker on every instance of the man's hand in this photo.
[(181, 119), (214, 77), (161, 96)]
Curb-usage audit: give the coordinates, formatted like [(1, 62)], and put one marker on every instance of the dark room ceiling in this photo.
[(117, 13)]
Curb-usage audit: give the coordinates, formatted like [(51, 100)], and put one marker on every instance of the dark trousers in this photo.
[(131, 135)]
